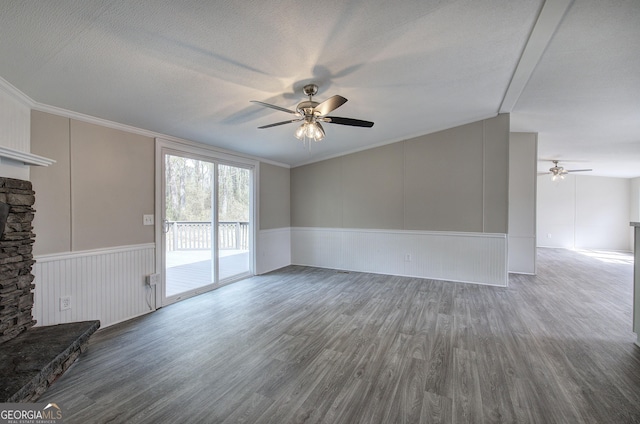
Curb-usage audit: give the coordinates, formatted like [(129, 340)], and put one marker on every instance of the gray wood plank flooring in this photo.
[(308, 345)]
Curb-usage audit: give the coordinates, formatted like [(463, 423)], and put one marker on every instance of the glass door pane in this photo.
[(233, 194), (188, 226)]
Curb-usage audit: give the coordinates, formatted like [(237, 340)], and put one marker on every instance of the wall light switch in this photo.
[(147, 219)]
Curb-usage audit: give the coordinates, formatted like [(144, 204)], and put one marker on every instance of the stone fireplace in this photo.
[(16, 257), (31, 358)]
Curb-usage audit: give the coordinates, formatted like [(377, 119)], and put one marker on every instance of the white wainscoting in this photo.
[(274, 249), (105, 284), (479, 258)]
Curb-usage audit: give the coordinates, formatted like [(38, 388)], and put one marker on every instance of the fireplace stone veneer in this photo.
[(31, 359), (16, 258)]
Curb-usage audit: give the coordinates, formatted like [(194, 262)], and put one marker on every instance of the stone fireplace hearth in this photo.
[(31, 358)]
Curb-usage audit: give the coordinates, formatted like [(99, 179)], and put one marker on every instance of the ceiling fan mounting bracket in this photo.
[(310, 90)]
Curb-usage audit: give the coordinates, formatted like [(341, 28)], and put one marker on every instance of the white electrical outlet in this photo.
[(147, 219), (407, 257), (65, 303), (153, 279)]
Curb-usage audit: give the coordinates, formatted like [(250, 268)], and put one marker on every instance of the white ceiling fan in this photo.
[(558, 172)]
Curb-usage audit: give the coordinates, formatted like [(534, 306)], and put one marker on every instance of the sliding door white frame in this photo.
[(210, 155)]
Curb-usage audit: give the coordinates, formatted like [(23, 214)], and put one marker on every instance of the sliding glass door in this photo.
[(206, 229), (188, 225), (233, 220)]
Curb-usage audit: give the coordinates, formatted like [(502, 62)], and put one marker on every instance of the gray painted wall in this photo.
[(634, 211), (113, 185), (94, 196), (523, 156), (52, 184), (372, 182), (453, 180), (274, 197)]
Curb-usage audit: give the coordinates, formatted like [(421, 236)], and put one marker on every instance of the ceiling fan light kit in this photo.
[(310, 131), (312, 113)]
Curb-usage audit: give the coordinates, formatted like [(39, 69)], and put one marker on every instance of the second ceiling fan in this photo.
[(311, 114), (558, 171)]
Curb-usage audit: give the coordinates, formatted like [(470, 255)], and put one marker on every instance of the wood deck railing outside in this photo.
[(191, 235)]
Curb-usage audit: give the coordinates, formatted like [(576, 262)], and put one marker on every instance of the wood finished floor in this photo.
[(307, 345)]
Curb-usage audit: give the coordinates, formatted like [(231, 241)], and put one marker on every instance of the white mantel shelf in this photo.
[(24, 157)]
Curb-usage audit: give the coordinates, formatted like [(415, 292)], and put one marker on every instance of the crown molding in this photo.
[(13, 92), (54, 110)]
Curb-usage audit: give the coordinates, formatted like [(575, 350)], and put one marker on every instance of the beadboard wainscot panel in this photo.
[(321, 247), (479, 258), (104, 284), (274, 249)]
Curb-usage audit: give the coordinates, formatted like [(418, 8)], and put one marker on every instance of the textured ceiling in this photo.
[(189, 68)]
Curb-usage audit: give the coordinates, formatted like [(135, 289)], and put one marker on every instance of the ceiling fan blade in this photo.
[(332, 103), (274, 107), (279, 123), (348, 121), (544, 173), (321, 132), (579, 170)]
